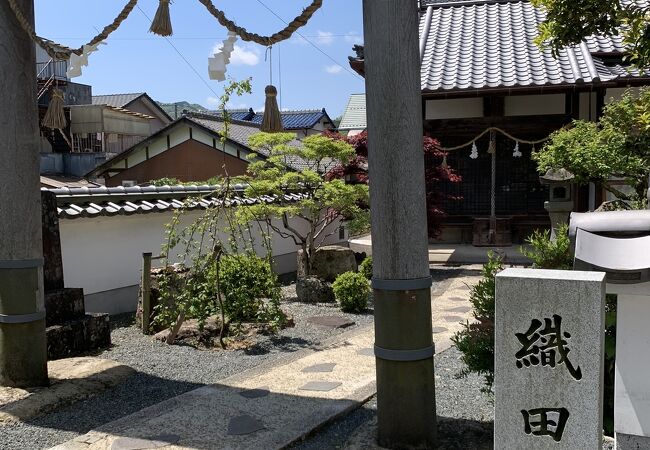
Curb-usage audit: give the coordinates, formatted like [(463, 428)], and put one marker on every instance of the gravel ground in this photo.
[(166, 371)]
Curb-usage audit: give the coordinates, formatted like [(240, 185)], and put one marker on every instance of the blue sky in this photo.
[(135, 60)]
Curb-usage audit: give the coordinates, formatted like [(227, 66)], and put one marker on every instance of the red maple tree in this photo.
[(437, 172)]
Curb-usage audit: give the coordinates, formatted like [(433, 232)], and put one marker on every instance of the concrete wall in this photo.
[(103, 255)]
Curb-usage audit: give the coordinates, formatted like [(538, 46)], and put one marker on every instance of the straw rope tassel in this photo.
[(271, 121), (55, 115), (162, 23)]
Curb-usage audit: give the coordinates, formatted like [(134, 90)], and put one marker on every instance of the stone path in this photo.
[(273, 405)]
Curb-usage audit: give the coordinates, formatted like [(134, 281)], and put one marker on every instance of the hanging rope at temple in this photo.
[(488, 130), (61, 52), (266, 41), (161, 25)]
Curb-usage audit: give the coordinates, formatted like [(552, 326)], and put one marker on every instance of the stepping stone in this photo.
[(255, 393), (319, 368), (245, 424), (331, 321), (458, 299), (127, 443), (437, 330), (453, 318), (320, 386), (460, 309), (366, 352)]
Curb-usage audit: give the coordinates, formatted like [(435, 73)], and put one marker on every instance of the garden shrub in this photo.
[(476, 340), (246, 281), (351, 291), (249, 289), (365, 268), (548, 254)]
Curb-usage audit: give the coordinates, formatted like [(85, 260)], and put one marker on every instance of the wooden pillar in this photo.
[(401, 281), (23, 361)]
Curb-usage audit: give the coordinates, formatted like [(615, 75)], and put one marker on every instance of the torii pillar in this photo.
[(401, 278), (23, 355)]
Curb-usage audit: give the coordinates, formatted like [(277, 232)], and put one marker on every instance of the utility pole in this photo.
[(401, 278), (23, 355)]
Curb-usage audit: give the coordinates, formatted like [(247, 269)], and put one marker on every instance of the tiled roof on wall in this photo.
[(74, 203)]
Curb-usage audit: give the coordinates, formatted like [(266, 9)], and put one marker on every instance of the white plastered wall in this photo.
[(103, 255)]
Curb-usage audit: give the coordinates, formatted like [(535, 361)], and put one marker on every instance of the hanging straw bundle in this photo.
[(271, 121), (162, 23), (55, 115)]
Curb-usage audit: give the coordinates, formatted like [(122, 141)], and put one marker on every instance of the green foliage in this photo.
[(165, 182), (610, 363), (365, 268), (323, 202), (250, 289), (476, 340), (218, 270), (213, 181), (548, 254), (351, 291), (618, 146), (568, 22)]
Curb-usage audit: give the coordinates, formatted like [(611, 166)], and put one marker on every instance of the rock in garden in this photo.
[(330, 261), (190, 330), (314, 290)]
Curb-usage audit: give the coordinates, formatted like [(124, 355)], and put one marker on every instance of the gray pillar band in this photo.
[(402, 285), (405, 355), (22, 318), (21, 263)]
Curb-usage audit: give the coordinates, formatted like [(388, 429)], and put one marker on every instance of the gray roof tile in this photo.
[(490, 44), (116, 100), (74, 203)]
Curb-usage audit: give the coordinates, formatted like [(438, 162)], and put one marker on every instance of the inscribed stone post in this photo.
[(549, 338)]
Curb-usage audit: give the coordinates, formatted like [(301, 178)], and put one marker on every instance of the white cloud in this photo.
[(334, 69), (325, 37), (212, 102), (241, 56)]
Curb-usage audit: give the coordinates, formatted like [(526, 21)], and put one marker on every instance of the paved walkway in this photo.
[(274, 405)]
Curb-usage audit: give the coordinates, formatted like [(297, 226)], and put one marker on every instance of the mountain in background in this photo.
[(172, 108)]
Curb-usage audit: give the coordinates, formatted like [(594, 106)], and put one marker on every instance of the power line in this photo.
[(183, 58), (196, 38), (310, 42)]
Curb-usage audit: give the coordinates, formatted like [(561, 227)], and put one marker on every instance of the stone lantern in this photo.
[(561, 203)]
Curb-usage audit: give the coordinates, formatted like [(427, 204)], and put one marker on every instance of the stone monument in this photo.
[(548, 370)]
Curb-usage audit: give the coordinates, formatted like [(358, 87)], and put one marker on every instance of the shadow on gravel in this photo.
[(138, 391), (462, 434), (281, 343), (212, 416)]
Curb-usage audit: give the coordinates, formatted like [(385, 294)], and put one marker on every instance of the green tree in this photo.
[(322, 202), (616, 147), (568, 22)]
